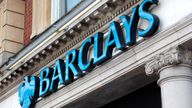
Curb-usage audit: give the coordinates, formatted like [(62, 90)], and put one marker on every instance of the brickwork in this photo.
[(28, 21)]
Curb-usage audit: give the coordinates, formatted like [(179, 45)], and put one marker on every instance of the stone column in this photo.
[(174, 70)]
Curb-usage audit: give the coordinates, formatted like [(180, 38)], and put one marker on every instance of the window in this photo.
[(61, 7)]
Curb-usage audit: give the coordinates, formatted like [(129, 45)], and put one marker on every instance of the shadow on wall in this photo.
[(146, 97)]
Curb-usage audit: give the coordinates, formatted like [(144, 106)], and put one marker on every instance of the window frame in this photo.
[(56, 12)]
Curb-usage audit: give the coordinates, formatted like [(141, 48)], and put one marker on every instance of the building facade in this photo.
[(95, 53)]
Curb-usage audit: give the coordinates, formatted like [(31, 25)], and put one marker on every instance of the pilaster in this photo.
[(173, 56), (11, 28), (174, 69)]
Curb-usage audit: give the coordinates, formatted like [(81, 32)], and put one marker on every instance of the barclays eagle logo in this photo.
[(28, 92)]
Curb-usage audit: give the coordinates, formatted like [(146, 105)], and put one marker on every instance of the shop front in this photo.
[(107, 54)]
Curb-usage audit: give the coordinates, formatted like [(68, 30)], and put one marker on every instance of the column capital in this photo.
[(173, 56)]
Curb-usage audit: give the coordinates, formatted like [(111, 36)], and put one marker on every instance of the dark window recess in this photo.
[(146, 97)]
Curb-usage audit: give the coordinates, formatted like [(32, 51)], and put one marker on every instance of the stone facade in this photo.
[(166, 56), (12, 25), (41, 18)]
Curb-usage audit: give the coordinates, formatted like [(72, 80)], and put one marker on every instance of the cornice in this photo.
[(173, 56), (66, 41)]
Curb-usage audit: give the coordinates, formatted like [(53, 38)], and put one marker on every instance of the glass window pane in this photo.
[(62, 7), (71, 4)]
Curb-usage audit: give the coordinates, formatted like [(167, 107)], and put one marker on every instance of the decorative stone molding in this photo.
[(67, 42), (173, 56)]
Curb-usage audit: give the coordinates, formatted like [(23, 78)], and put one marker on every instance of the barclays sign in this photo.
[(77, 63)]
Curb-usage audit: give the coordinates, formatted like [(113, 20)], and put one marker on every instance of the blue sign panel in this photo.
[(77, 62), (28, 92)]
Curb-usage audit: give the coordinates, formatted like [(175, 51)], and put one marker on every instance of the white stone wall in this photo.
[(171, 11), (11, 102)]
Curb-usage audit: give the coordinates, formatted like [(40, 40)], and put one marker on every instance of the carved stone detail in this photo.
[(73, 41), (173, 56)]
